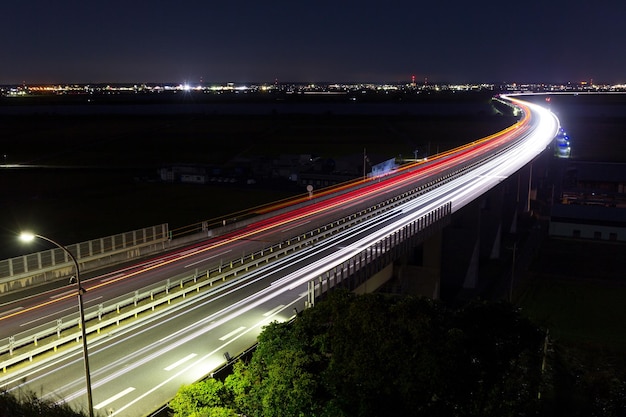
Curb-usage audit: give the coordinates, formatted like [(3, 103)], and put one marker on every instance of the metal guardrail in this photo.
[(200, 278), (207, 277), (54, 263), (113, 313)]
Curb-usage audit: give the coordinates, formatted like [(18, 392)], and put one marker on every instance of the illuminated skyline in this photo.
[(366, 41)]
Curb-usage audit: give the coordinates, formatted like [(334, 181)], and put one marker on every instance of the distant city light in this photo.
[(204, 87)]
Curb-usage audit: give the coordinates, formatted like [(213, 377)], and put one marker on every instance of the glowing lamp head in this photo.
[(27, 237)]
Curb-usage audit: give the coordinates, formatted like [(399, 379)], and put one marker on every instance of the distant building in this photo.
[(588, 222), (593, 202), (594, 183), (183, 173), (193, 178), (384, 167), (324, 172)]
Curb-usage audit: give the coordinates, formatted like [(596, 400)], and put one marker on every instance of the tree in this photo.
[(28, 405), (279, 380), (199, 399), (373, 355)]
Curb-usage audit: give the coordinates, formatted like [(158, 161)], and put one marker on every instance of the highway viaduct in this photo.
[(439, 246)]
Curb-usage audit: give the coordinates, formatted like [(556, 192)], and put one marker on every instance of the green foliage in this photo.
[(199, 399), (28, 405), (214, 412), (279, 380), (240, 384), (373, 355)]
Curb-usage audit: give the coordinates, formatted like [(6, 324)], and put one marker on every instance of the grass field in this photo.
[(577, 290), (104, 198)]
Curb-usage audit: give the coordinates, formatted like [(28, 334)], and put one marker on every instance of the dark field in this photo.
[(99, 170), (149, 141), (577, 289), (107, 159), (95, 183), (595, 123)]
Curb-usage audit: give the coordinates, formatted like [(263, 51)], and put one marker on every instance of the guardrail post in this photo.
[(167, 286), (11, 345), (135, 298), (100, 311), (59, 327)]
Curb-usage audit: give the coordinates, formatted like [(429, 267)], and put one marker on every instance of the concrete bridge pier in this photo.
[(474, 237), (460, 250), (448, 262)]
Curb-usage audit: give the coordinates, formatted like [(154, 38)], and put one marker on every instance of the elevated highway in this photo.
[(261, 270)]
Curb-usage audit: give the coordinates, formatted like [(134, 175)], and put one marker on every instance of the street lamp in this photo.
[(29, 237)]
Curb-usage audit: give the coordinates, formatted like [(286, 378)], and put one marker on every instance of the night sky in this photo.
[(75, 41)]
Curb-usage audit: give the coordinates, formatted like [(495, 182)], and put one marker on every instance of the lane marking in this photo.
[(73, 308), (180, 362), (11, 311), (229, 335), (112, 277), (274, 310), (206, 259), (296, 225), (113, 398), (493, 176), (47, 316), (93, 300), (63, 294), (189, 367)]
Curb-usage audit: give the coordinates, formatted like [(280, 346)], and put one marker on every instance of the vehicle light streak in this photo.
[(180, 362), (136, 359), (217, 255), (526, 142), (189, 368), (433, 166)]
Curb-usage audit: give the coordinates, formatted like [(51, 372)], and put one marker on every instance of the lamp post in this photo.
[(28, 237)]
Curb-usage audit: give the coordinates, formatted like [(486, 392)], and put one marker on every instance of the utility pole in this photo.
[(530, 178), (364, 162), (512, 273)]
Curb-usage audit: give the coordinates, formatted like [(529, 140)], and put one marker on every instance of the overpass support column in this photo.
[(491, 218), (461, 252), (419, 273), (430, 284)]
